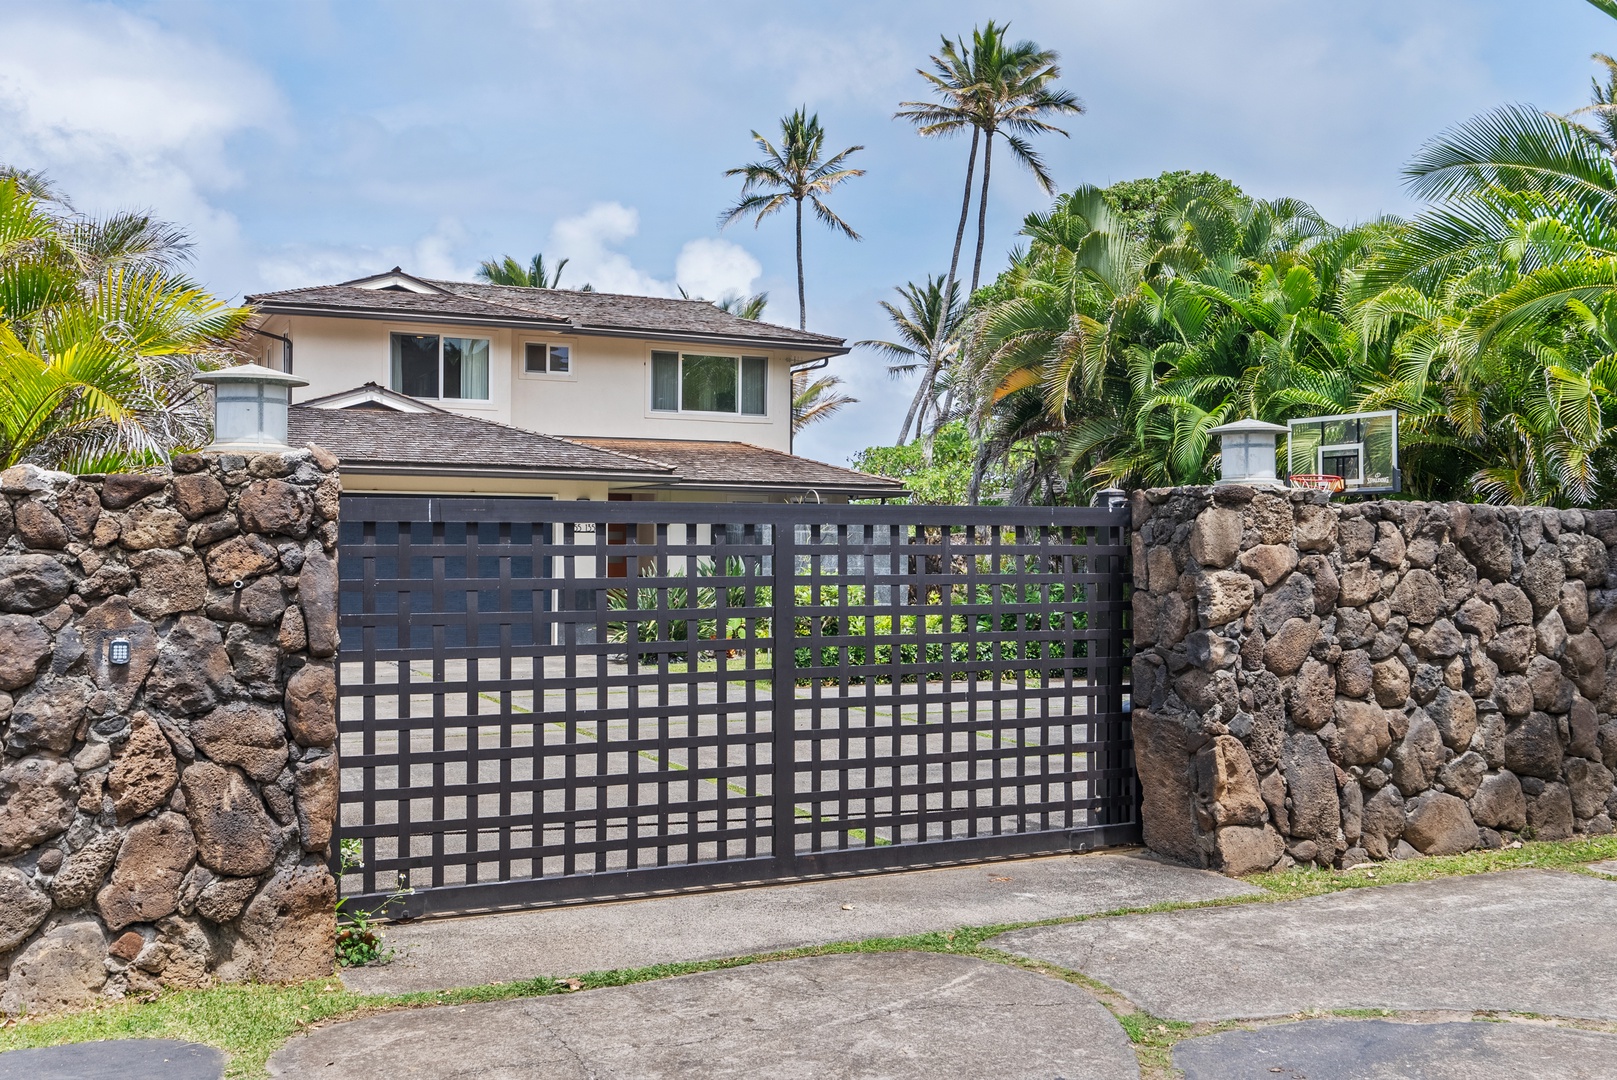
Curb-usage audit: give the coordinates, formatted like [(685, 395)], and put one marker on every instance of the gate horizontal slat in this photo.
[(549, 701)]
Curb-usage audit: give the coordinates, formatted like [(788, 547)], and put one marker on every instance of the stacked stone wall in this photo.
[(166, 821), (1335, 683)]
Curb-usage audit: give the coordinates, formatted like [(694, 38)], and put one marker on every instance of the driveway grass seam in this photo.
[(250, 1021)]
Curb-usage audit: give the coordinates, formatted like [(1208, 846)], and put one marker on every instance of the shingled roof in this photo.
[(710, 464), (384, 440), (560, 310)]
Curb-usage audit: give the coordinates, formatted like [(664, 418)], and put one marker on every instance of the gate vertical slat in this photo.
[(783, 699)]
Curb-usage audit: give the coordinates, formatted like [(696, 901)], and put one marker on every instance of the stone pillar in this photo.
[(1333, 683), (168, 769)]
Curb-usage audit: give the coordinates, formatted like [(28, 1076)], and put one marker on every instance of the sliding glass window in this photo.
[(415, 364), (695, 382), (432, 366)]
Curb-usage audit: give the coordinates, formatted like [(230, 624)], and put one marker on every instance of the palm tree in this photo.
[(928, 330), (750, 308), (99, 337), (995, 88), (815, 400), (507, 271), (1108, 355), (1017, 97), (796, 171), (1603, 104), (957, 82), (33, 182)]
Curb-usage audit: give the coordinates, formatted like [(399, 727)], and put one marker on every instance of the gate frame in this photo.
[(785, 864)]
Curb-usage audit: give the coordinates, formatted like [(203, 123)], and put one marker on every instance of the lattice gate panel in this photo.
[(545, 701), (957, 682)]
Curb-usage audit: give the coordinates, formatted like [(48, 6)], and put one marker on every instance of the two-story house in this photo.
[(453, 388)]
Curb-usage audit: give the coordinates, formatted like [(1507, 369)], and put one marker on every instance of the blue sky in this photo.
[(308, 142)]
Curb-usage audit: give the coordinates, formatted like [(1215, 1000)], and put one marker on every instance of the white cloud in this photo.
[(706, 267), (588, 241), (716, 269), (125, 114)]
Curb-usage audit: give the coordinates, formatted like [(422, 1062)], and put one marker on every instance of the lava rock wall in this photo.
[(168, 771), (1335, 683)]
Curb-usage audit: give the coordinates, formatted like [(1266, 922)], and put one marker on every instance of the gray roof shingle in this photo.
[(699, 463), (564, 310), (370, 438)]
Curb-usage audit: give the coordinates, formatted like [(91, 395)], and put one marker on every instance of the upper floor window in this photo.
[(434, 366), (539, 357), (692, 382)]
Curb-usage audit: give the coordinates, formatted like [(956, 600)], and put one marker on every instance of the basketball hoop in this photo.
[(1319, 482), (1352, 452)]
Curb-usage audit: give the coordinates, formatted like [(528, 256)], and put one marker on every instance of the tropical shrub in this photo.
[(99, 336)]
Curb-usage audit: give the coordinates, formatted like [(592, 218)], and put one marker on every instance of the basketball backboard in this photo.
[(1361, 448)]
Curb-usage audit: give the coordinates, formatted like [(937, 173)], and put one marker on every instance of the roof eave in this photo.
[(401, 468), (894, 491)]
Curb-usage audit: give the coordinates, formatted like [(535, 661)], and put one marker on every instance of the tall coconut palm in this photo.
[(994, 88), (794, 172), (99, 338), (928, 329), (507, 271), (955, 79)]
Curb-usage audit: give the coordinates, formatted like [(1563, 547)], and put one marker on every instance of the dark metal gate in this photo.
[(546, 701)]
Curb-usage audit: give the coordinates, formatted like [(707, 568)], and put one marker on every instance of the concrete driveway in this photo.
[(899, 1016), (1525, 941), (1459, 960), (437, 954)]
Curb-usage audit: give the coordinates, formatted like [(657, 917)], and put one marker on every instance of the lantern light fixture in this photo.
[(249, 407), (1248, 452)]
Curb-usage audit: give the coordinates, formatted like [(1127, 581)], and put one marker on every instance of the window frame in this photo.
[(440, 334), (680, 354), (521, 352)]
